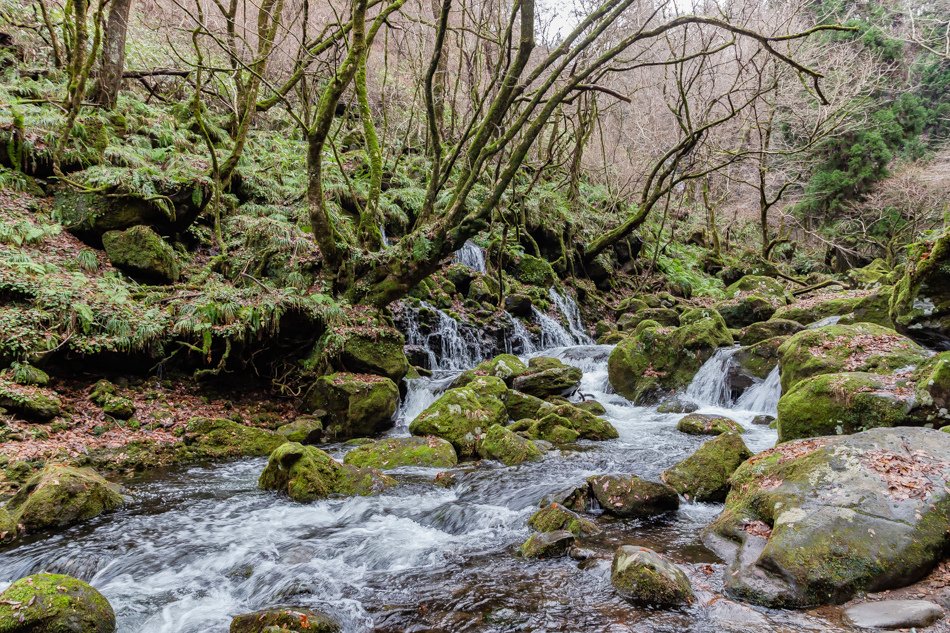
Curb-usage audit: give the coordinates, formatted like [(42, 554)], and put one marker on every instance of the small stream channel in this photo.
[(199, 545)]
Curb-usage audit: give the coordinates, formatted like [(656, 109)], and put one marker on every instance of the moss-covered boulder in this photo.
[(677, 404), (285, 620), (591, 406), (755, 362), (217, 438), (554, 517), (463, 415), (533, 271), (746, 310), (708, 424), (32, 403), (862, 347), (630, 496), (26, 374), (377, 350), (8, 526), (355, 405), (143, 254), (873, 308), (932, 391), (550, 428), (874, 274), (547, 544), (704, 475), (305, 473), (431, 452), (758, 332), (646, 578), (844, 403), (54, 603), (758, 285), (664, 316), (809, 311), (521, 406), (546, 377), (816, 521), (59, 496), (920, 304), (305, 429), (106, 395), (587, 425), (508, 447), (645, 367), (504, 366)]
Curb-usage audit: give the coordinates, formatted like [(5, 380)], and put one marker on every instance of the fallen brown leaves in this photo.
[(757, 528), (907, 476)]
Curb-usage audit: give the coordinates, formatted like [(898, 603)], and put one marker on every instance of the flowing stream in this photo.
[(201, 544)]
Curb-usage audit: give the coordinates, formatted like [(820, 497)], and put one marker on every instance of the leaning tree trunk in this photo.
[(112, 64)]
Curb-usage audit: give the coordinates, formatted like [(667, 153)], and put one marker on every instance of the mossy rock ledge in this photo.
[(644, 577), (59, 496), (54, 603), (305, 473), (546, 377), (817, 521), (285, 620), (704, 475), (29, 402)]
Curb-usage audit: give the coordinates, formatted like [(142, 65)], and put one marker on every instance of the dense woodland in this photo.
[(464, 315)]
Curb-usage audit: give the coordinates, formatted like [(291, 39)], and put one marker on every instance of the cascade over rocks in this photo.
[(305, 473), (816, 521), (862, 347), (644, 577), (59, 496), (54, 603), (629, 496), (355, 405), (704, 475), (657, 360)]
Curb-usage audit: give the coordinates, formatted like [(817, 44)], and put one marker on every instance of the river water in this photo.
[(199, 545)]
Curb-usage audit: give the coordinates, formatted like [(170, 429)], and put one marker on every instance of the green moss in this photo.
[(705, 424), (587, 425), (54, 603), (644, 577), (29, 402), (534, 271), (219, 438), (547, 377), (746, 310), (26, 374), (663, 316), (8, 526), (507, 447), (505, 366), (306, 429), (463, 415), (355, 405), (757, 285), (758, 332), (630, 496), (874, 308), (521, 406), (286, 620), (140, 252), (704, 475), (430, 452), (547, 544), (808, 314), (554, 517), (60, 496), (760, 359), (933, 388), (305, 473)]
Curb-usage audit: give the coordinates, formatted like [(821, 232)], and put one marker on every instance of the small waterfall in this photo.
[(763, 397), (710, 385), (572, 314), (519, 341), (553, 333), (382, 232), (458, 345), (471, 255)]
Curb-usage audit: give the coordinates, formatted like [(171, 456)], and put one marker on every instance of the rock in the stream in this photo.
[(305, 473), (54, 603), (463, 415), (644, 577), (763, 420), (587, 425), (217, 438), (403, 451), (288, 619), (862, 347), (816, 521), (356, 405), (521, 406), (708, 424), (556, 517), (505, 366), (547, 544), (630, 496), (508, 447), (548, 377), (59, 496), (894, 614), (654, 361), (305, 429), (677, 404), (591, 406), (704, 475)]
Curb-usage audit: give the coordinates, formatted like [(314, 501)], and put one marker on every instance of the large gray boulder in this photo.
[(816, 521)]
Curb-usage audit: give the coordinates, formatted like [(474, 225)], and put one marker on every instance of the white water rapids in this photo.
[(199, 545)]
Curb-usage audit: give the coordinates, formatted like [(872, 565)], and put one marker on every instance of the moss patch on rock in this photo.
[(143, 254), (508, 447), (463, 415), (630, 496), (546, 377), (704, 475), (32, 403), (355, 405), (758, 332), (644, 577), (217, 438), (305, 473), (707, 424), (59, 496), (431, 452), (54, 603), (554, 517), (285, 620)]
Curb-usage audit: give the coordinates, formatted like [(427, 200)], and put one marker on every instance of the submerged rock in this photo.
[(704, 475), (817, 521), (644, 577), (556, 517), (142, 253), (463, 415), (708, 424), (629, 496), (893, 614), (547, 544), (217, 438), (403, 451), (285, 619), (651, 363), (59, 496), (863, 347), (508, 447), (54, 603), (548, 377), (305, 473), (355, 405)]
